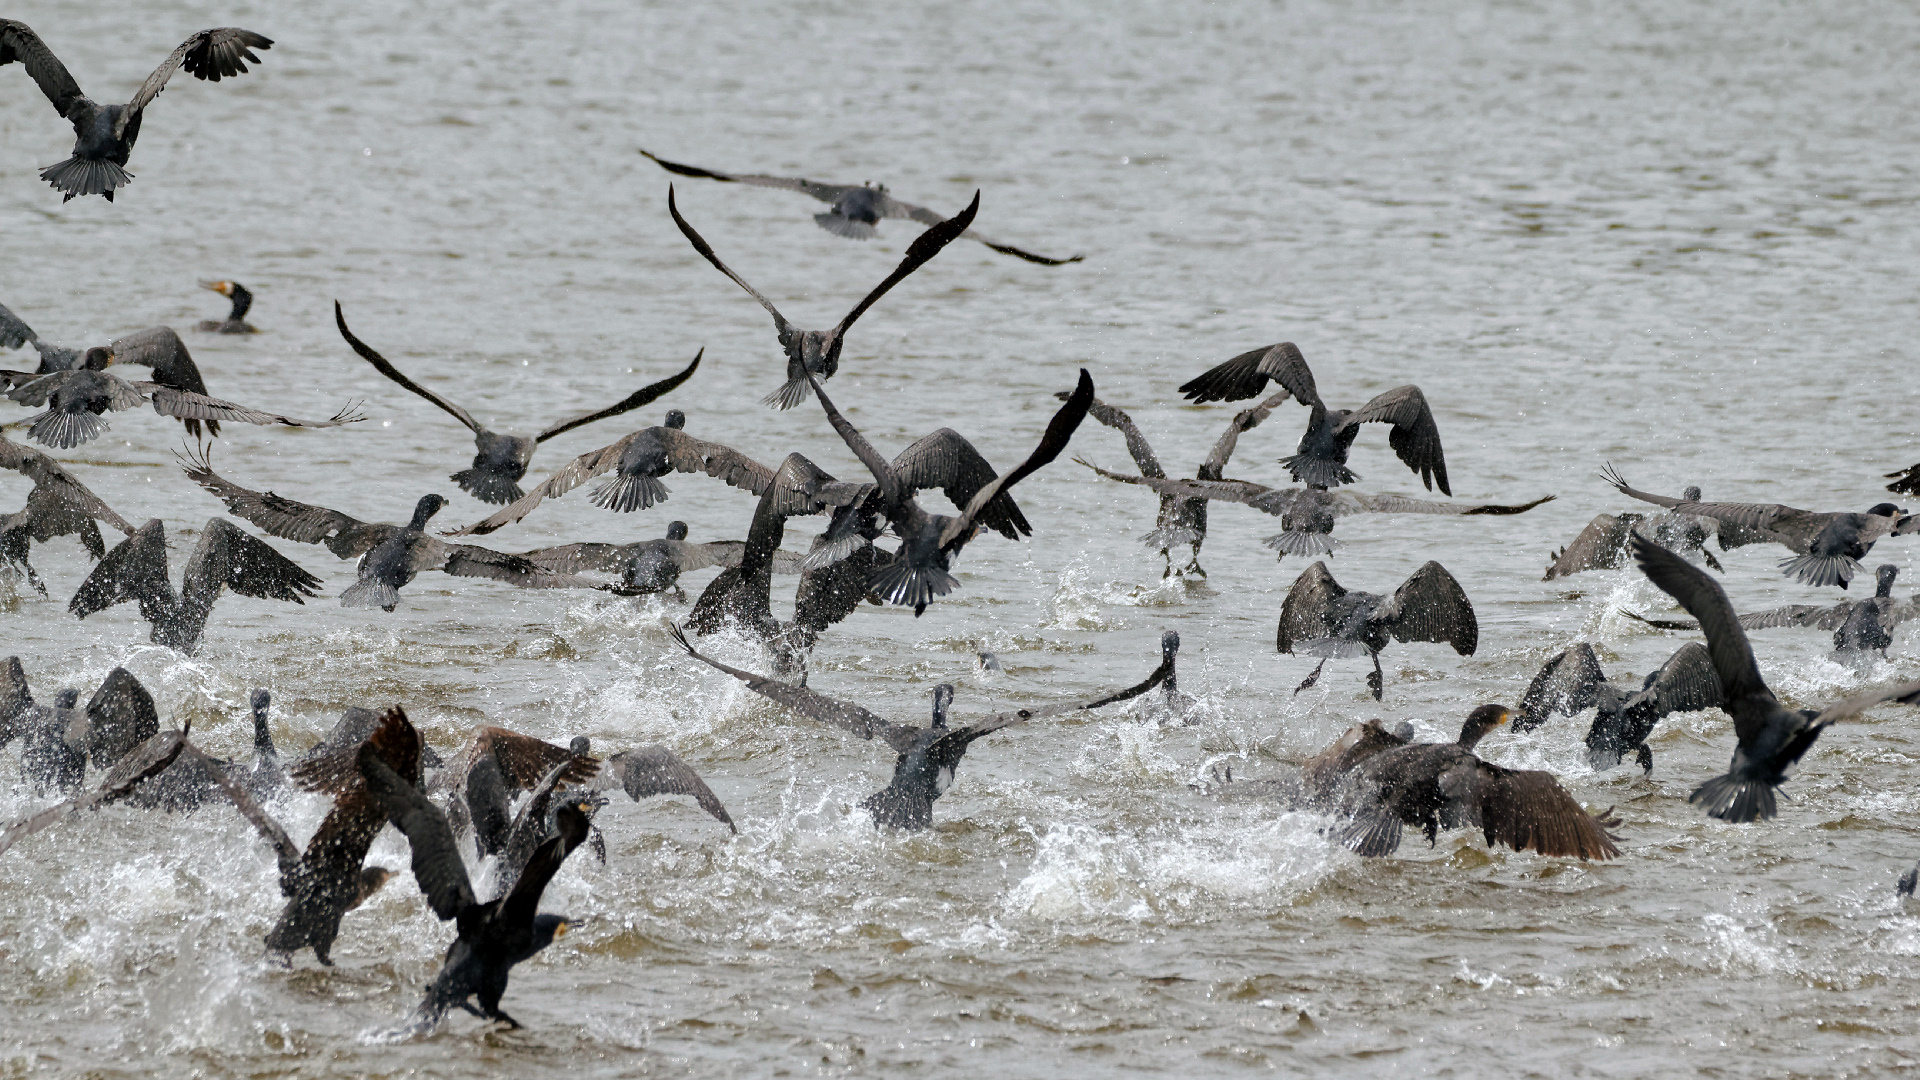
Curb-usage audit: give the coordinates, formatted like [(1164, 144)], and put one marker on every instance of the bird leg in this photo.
[(1193, 565), (1644, 757), (1168, 572), (1432, 831), (1313, 678), (1376, 682)]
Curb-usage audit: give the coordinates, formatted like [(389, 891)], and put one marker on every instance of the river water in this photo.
[(1676, 237)]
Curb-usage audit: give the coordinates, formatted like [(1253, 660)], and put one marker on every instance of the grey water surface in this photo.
[(1678, 237)]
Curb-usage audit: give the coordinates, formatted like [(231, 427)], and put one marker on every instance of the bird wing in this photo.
[(1243, 421), (1527, 811), (1564, 685), (1415, 436), (1431, 606), (565, 479), (1307, 612), (437, 866), (946, 460), (1021, 716), (897, 209), (286, 851), (780, 323), (572, 558), (47, 474), (333, 766), (656, 770), (159, 348), (185, 405), (1602, 545), (715, 553), (210, 54), (143, 763), (1687, 682), (1274, 501), (19, 42), (1905, 694), (381, 365), (136, 569), (924, 247), (120, 717), (1816, 615), (1246, 375), (841, 714), (1352, 502), (345, 536), (1137, 446), (643, 396), (1612, 476), (522, 903), (14, 332), (247, 565), (1727, 643), (15, 699), (1059, 432), (826, 193), (892, 489), (524, 760), (467, 560)]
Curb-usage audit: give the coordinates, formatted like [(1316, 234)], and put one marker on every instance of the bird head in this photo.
[(675, 419), (97, 359), (66, 699), (1885, 576), (1886, 510), (1169, 643), (676, 530), (580, 746), (224, 288), (942, 698), (424, 510), (372, 879), (1481, 721), (1691, 494), (260, 701), (550, 928)]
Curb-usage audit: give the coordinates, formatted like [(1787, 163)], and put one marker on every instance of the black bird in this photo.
[(53, 748), (1859, 626), (390, 555), (1307, 514), (1905, 481), (493, 935), (58, 505), (856, 211), (1829, 546), (1572, 681), (122, 715), (162, 350), (1322, 457), (1176, 704), (76, 399), (145, 761), (817, 352), (1323, 619), (1445, 786), (105, 134), (236, 320), (499, 461), (927, 756), (225, 557), (1602, 545), (641, 457), (1772, 737), (14, 332), (653, 566), (918, 572)]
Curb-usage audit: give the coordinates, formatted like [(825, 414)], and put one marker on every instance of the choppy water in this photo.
[(1675, 237)]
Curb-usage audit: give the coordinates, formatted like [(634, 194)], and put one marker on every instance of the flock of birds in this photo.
[(524, 805)]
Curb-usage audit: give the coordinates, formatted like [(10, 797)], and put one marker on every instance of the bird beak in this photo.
[(560, 931), (224, 288)]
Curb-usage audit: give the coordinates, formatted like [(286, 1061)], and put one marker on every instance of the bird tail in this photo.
[(625, 494), (65, 430), (1318, 472), (487, 487), (1730, 798), (1167, 536), (898, 583), (1821, 569), (370, 593), (791, 393), (86, 176), (1301, 543), (845, 226), (1372, 835), (1908, 881), (832, 552)]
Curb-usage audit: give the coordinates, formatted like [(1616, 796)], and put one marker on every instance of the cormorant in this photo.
[(1905, 481), (14, 332), (225, 557), (53, 746), (652, 566), (499, 461), (105, 134), (641, 457), (1858, 626), (391, 555), (1572, 681), (1176, 704), (1772, 737), (1602, 545), (236, 320), (1321, 460), (927, 756), (1323, 619), (856, 211), (143, 762), (59, 505), (1828, 546), (817, 352)]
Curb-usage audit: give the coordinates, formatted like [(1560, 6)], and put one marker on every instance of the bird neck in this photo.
[(242, 300)]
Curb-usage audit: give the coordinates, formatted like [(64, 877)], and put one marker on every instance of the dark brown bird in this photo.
[(1322, 619), (1624, 715), (1445, 786)]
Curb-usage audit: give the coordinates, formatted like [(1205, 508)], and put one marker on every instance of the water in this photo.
[(1676, 238)]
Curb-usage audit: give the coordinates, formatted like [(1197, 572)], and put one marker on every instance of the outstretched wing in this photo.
[(924, 247), (840, 714), (136, 569), (468, 560), (1059, 432), (1246, 375), (1415, 436), (247, 565), (1727, 643), (1527, 811), (1307, 612), (381, 365), (897, 209), (1431, 606), (186, 405), (1564, 685), (1353, 502), (120, 717), (1274, 501), (1602, 545), (1021, 716), (345, 536), (145, 762), (643, 396), (780, 323), (946, 460), (437, 867), (1687, 682), (14, 332), (159, 348), (19, 42), (47, 474), (210, 54), (1137, 446), (826, 193), (655, 770)]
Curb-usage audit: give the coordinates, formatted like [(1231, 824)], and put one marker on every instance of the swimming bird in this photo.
[(1828, 545), (1859, 626), (53, 748), (1321, 460), (58, 505), (225, 557), (856, 211), (641, 458), (499, 461), (1625, 714), (1772, 737), (918, 571), (1174, 703), (493, 935), (105, 134), (145, 761), (817, 352), (1602, 545), (1321, 618), (236, 320), (1307, 514), (76, 399), (1445, 786), (390, 555), (926, 758), (652, 566)]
